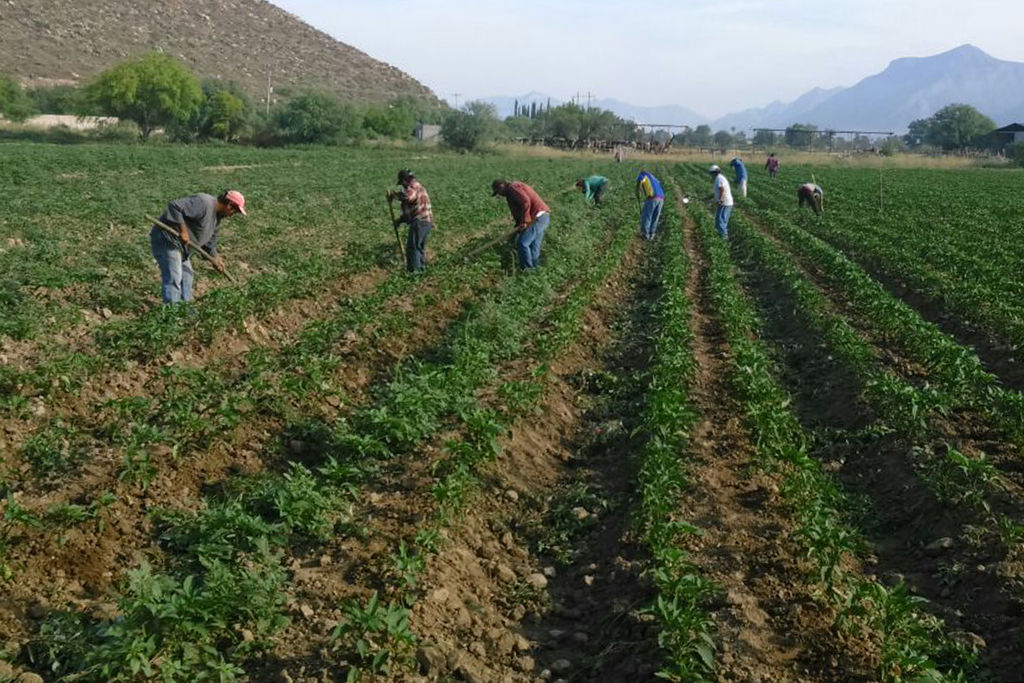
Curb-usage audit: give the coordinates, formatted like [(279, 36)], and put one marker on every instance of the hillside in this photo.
[(239, 40)]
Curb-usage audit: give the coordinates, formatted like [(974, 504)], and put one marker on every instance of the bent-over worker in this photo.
[(593, 188), (417, 213), (531, 215), (813, 195), (197, 219), (648, 187)]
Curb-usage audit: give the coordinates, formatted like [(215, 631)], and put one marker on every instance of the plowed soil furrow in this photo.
[(971, 431), (77, 566), (968, 583), (396, 504), (227, 351), (769, 624), (507, 601), (997, 356)]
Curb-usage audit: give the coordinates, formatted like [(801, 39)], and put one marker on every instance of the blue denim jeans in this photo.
[(175, 271), (529, 241), (722, 221), (416, 245), (650, 217)]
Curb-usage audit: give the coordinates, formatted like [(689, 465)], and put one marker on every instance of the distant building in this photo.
[(427, 132), (1007, 135)]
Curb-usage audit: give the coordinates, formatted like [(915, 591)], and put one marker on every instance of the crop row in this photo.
[(939, 248), (953, 367), (908, 411), (297, 262), (371, 647), (410, 409), (910, 643), (686, 629)]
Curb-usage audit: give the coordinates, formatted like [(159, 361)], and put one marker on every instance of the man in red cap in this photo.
[(197, 219), (531, 215)]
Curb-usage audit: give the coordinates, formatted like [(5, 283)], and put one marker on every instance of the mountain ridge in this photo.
[(910, 88)]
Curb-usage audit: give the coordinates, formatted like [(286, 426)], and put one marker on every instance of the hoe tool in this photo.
[(398, 239), (190, 249)]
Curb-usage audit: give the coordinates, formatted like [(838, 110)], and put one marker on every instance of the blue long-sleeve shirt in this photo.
[(741, 170)]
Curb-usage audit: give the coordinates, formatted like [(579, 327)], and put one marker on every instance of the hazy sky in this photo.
[(714, 57)]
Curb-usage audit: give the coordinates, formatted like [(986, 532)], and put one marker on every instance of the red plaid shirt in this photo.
[(416, 203)]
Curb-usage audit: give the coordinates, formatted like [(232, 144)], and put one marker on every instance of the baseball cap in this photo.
[(235, 197), (714, 169)]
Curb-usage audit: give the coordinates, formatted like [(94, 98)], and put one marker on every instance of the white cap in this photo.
[(714, 169)]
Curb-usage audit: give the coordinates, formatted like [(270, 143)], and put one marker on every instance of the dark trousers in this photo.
[(416, 245)]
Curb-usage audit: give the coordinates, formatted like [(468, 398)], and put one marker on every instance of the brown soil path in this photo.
[(770, 626)]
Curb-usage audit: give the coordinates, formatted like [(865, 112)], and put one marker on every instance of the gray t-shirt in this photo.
[(199, 214)]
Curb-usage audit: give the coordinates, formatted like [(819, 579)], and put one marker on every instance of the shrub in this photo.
[(471, 128), (152, 91)]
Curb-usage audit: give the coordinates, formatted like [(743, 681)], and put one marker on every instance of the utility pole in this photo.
[(590, 96), (270, 90), (456, 95)]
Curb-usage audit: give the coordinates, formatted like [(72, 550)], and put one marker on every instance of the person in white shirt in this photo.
[(723, 201)]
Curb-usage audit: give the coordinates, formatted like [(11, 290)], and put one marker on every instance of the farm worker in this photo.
[(417, 213), (593, 188), (723, 201), (772, 165), (531, 215), (741, 175), (648, 187), (197, 219), (812, 195)]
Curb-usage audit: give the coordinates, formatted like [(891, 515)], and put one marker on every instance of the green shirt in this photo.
[(592, 184)]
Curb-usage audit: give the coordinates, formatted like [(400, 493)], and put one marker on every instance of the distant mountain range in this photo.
[(909, 88)]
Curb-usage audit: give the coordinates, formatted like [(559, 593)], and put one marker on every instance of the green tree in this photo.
[(917, 133), (565, 122), (723, 139), (58, 99), (801, 134), (701, 136), (395, 120), (153, 91), (470, 128), (226, 115), (765, 138), (1015, 153), (891, 146), (958, 126), (318, 118), (14, 103)]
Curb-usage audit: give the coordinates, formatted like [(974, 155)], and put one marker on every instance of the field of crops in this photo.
[(790, 456)]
